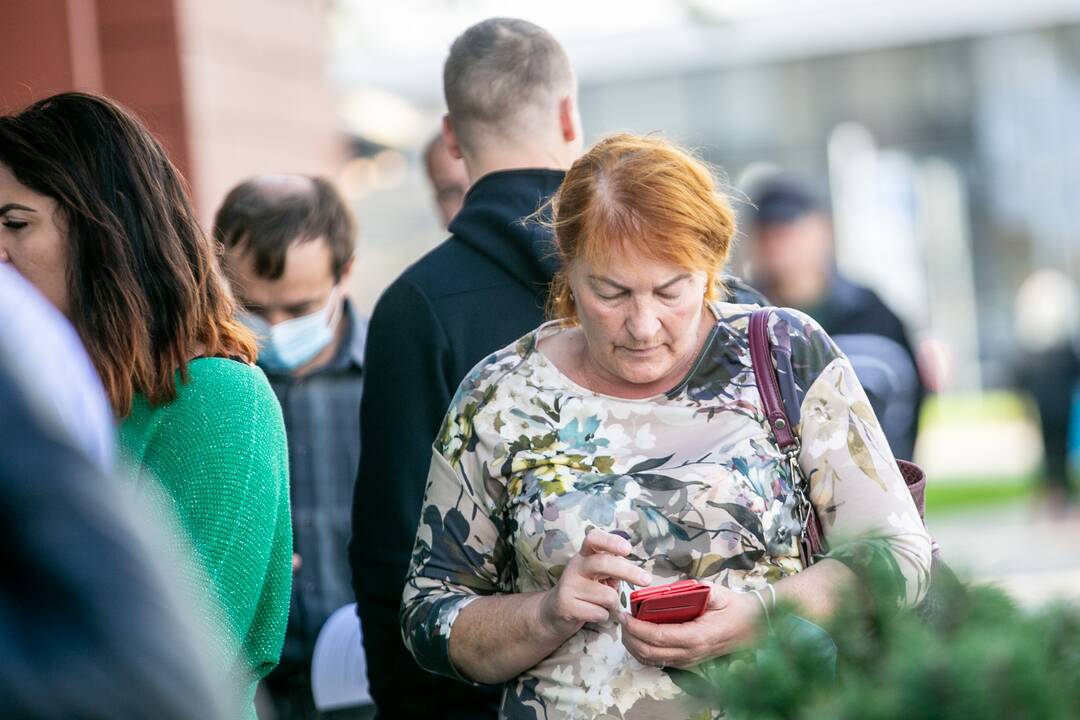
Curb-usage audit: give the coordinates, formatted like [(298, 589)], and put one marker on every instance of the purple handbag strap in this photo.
[(812, 536), (769, 389), (765, 378)]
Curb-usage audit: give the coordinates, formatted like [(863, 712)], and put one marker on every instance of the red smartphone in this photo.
[(677, 602)]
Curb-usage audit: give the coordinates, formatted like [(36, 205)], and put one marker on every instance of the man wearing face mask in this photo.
[(288, 243)]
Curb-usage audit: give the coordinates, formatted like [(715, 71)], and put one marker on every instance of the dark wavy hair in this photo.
[(146, 292)]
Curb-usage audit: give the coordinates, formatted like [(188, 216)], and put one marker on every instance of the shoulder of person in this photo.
[(801, 338), (496, 366), (225, 398), (785, 324), (403, 315), (232, 380), (481, 383), (862, 298), (223, 434), (450, 268)]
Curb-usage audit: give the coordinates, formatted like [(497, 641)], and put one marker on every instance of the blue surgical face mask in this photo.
[(291, 344)]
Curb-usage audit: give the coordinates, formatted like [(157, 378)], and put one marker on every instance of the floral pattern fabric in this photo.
[(528, 462)]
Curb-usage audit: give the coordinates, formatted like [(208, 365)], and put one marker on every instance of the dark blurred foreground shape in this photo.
[(88, 627)]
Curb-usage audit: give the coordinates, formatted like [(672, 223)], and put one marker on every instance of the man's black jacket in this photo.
[(477, 292)]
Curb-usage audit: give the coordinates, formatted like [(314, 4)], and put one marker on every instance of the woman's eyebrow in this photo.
[(608, 281), (15, 206), (672, 281), (669, 283)]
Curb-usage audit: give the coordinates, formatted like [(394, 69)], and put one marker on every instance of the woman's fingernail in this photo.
[(644, 578)]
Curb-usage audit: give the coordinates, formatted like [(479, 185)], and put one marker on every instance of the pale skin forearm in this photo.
[(815, 591), (497, 638)]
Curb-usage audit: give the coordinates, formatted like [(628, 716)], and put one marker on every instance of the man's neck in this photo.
[(498, 160)]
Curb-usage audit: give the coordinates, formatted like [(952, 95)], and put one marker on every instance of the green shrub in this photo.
[(977, 656)]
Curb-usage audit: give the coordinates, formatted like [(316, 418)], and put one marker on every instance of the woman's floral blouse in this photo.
[(528, 462)]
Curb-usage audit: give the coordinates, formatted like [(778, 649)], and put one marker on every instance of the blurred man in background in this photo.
[(449, 181), (794, 266), (513, 119), (1047, 325), (289, 245)]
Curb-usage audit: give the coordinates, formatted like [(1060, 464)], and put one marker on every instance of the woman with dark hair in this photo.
[(93, 213)]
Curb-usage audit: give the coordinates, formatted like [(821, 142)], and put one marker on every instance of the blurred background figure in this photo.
[(98, 220), (1048, 369), (449, 181), (289, 246), (793, 264), (91, 625)]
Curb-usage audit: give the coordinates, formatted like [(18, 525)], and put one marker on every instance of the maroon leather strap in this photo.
[(812, 542), (765, 378), (812, 537)]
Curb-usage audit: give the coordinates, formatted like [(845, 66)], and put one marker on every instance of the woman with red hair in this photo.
[(624, 444)]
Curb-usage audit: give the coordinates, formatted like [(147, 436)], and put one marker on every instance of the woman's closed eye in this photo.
[(616, 296), (15, 224)]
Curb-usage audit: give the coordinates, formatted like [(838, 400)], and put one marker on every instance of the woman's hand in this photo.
[(586, 589), (728, 624)]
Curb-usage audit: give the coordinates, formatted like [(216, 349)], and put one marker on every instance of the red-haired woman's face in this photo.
[(32, 239), (643, 321)]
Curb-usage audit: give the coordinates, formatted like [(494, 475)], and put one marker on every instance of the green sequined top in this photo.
[(218, 452)]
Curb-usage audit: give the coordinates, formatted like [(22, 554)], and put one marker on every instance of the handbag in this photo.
[(812, 545)]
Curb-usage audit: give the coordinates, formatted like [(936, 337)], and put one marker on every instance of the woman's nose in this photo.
[(643, 324)]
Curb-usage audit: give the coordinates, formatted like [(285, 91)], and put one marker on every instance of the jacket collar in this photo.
[(493, 221)]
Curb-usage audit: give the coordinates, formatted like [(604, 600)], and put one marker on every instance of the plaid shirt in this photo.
[(322, 420)]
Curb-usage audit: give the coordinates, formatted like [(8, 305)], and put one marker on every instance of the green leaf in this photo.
[(745, 517), (650, 481), (691, 683), (603, 464), (650, 464)]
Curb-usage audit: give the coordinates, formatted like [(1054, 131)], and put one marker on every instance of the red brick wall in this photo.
[(233, 88)]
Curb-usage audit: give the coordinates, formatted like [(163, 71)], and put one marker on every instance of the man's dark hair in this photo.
[(781, 200), (496, 69), (271, 214)]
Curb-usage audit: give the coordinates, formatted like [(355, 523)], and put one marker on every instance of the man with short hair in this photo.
[(447, 177), (289, 244), (513, 119)]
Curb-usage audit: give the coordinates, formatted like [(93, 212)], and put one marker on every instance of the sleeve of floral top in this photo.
[(868, 515), (460, 552)]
